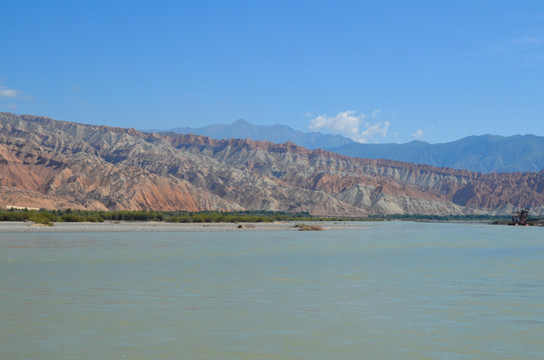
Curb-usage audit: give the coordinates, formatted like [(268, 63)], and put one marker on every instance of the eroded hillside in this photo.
[(56, 164)]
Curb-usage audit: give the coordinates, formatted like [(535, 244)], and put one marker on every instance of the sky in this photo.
[(374, 71)]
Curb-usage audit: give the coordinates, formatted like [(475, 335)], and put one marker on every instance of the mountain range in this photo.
[(241, 129), (485, 153), (58, 164)]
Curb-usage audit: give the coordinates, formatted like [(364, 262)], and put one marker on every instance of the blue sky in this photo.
[(376, 71)]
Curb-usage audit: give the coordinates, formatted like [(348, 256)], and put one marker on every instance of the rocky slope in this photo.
[(48, 163)]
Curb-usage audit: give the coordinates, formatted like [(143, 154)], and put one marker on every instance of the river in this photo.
[(391, 290)]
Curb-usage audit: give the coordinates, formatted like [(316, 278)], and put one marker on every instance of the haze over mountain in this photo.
[(241, 129), (58, 164), (485, 153)]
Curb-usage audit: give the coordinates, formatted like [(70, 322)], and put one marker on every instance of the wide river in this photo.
[(392, 290)]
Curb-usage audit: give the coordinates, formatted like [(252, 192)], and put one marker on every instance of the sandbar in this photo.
[(135, 226)]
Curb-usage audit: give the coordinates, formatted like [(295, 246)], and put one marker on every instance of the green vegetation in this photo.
[(44, 216), (48, 217), (39, 217)]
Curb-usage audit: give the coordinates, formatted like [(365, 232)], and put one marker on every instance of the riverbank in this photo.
[(130, 226)]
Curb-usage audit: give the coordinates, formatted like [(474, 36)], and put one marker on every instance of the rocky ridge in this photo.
[(57, 164)]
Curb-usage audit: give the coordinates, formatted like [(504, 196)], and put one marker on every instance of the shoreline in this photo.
[(143, 226)]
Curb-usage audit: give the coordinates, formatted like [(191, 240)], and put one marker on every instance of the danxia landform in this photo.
[(45, 163)]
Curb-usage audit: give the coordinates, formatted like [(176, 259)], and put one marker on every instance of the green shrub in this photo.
[(73, 218), (40, 219)]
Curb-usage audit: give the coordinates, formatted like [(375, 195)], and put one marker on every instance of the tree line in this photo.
[(48, 217)]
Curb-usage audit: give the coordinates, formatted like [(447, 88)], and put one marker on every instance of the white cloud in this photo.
[(9, 93), (375, 129), (343, 123), (376, 113), (347, 123), (308, 114), (418, 135)]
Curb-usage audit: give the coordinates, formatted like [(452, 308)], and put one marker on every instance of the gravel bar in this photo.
[(129, 226)]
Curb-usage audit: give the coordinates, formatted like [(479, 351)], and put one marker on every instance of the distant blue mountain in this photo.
[(242, 129), (485, 153)]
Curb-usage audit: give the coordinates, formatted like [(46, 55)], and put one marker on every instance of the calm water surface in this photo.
[(395, 290)]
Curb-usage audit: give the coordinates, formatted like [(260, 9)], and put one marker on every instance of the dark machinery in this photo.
[(520, 217)]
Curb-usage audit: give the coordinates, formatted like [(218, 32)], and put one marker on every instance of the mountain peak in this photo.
[(242, 129), (241, 122)]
